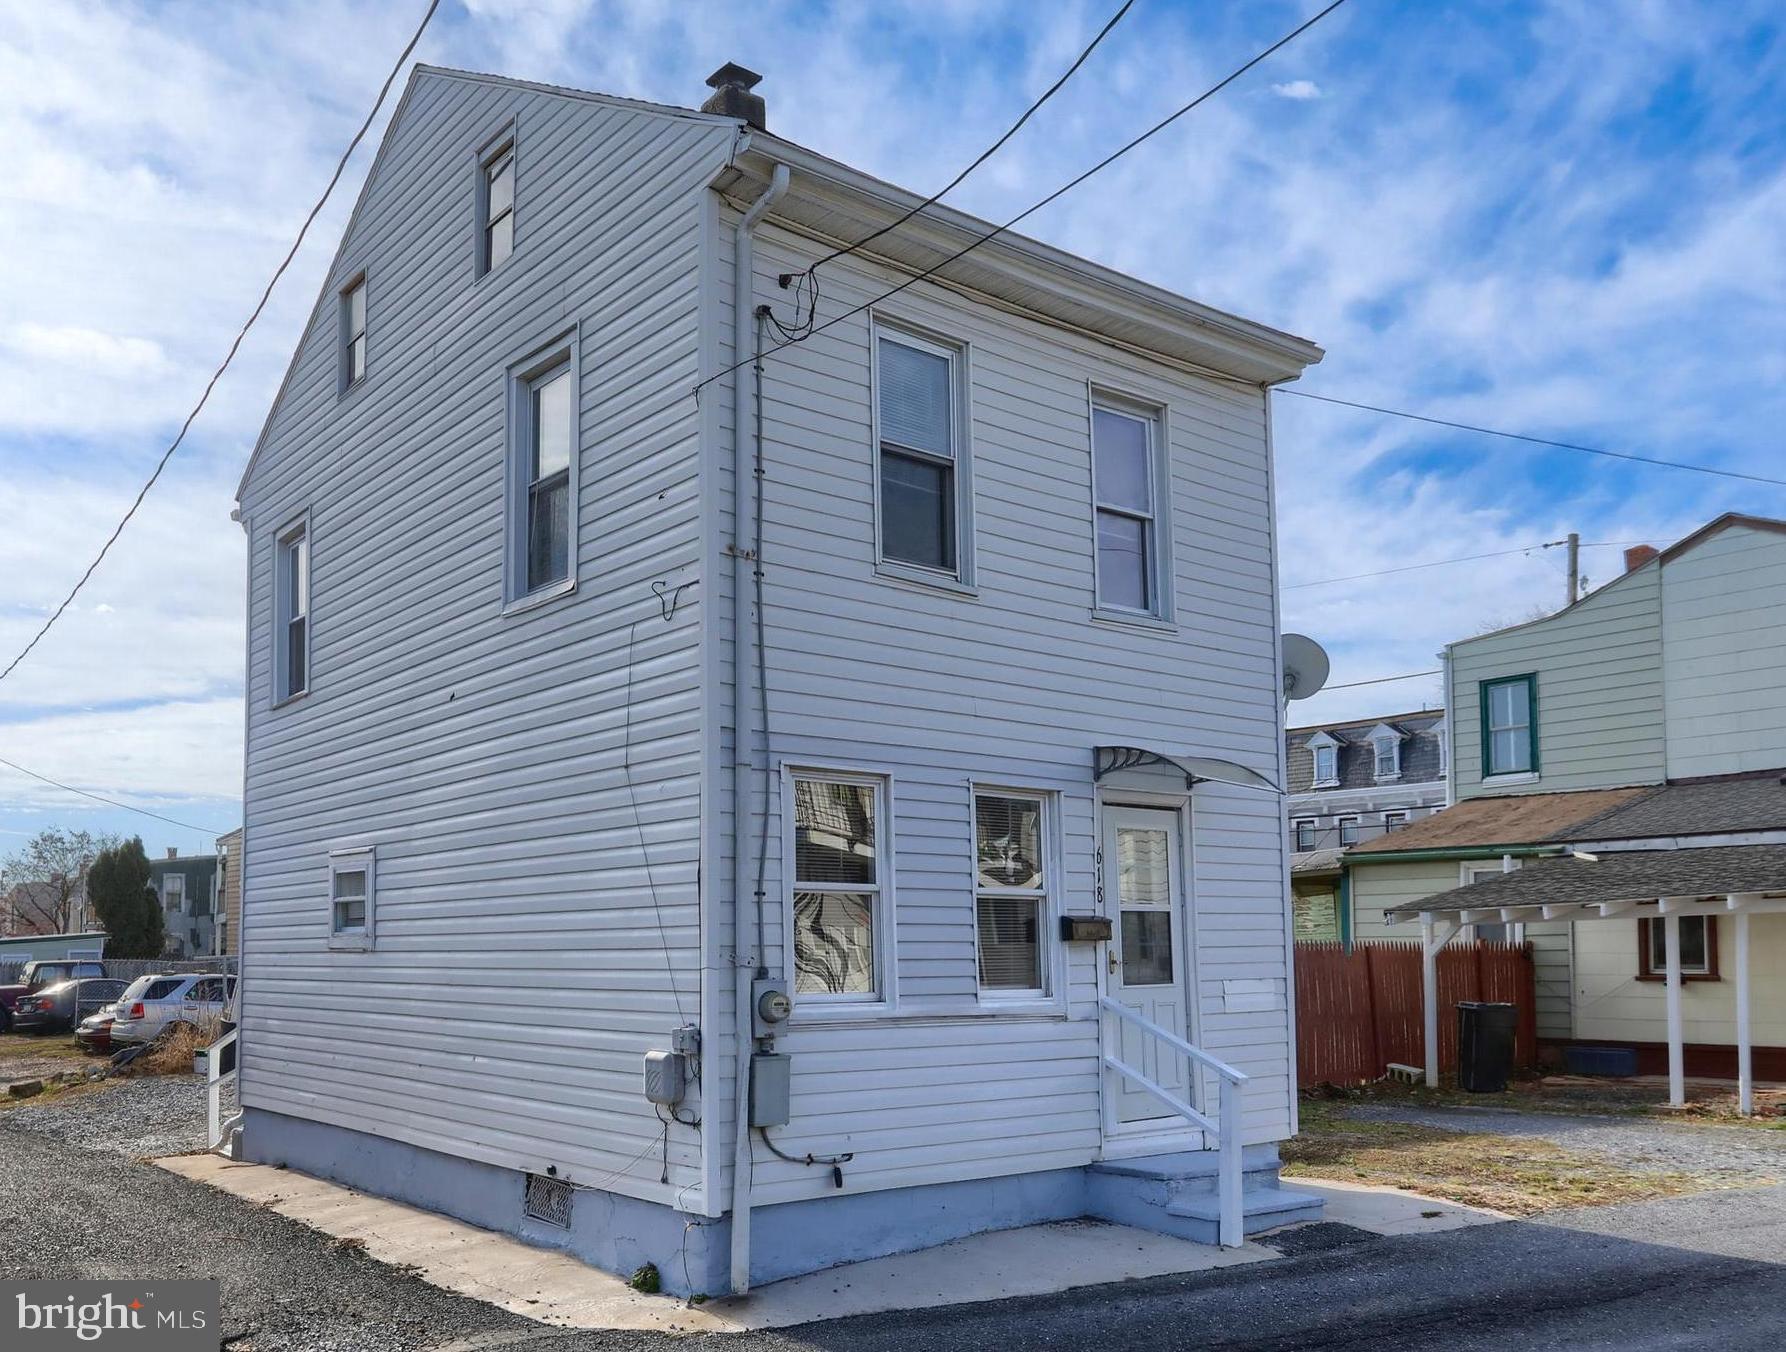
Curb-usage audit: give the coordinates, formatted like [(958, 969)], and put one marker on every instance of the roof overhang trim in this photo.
[(1110, 760)]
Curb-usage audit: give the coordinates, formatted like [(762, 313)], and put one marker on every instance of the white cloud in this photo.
[(1297, 89)]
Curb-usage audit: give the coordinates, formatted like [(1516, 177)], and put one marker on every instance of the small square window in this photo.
[(1348, 831), (1305, 835), (351, 898)]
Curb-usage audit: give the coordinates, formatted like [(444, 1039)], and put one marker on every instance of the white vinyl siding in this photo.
[(531, 781)]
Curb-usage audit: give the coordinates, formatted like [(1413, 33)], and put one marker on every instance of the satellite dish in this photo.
[(1305, 666)]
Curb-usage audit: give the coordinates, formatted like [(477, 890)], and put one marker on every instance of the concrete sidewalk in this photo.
[(561, 1292)]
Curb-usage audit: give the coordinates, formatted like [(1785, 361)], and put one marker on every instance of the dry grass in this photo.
[(1521, 1176), (171, 1054), (20, 1047)]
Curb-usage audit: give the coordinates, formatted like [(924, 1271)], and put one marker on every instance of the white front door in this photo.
[(1148, 962)]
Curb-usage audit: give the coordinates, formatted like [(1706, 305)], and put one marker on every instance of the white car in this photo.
[(155, 1003)]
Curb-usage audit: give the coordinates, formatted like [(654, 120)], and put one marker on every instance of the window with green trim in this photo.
[(1510, 726)]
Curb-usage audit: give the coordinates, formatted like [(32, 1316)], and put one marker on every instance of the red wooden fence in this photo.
[(1358, 1011)]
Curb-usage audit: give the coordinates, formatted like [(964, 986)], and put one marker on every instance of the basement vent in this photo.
[(549, 1200)]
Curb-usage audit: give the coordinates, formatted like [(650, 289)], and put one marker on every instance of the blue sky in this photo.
[(1564, 218)]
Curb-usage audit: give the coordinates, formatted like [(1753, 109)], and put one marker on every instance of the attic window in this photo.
[(1386, 753), (1326, 753), (496, 206), (353, 332)]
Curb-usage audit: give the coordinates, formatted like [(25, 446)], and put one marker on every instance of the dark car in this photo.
[(41, 973), (58, 1008)]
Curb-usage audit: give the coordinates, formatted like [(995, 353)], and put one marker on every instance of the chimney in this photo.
[(173, 852), (1637, 556), (731, 85)]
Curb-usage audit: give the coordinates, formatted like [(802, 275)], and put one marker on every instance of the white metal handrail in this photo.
[(1231, 1223), (215, 1077)]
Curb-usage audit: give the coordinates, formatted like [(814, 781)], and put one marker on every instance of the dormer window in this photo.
[(1326, 753), (1386, 753)]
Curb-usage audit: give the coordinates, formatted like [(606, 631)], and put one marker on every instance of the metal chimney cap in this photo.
[(734, 74)]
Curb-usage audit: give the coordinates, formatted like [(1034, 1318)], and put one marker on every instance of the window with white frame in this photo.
[(1699, 946), (351, 883), (1394, 820), (1386, 754), (291, 611), (1492, 931), (173, 892), (1125, 489), (1348, 831), (543, 463), (1305, 834), (1325, 751), (353, 332), (496, 206), (919, 452), (1011, 891), (838, 885)]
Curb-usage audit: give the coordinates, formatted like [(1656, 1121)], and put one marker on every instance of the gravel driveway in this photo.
[(1642, 1144), (141, 1118)]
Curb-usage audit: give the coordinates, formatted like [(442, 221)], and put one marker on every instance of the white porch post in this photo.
[(1429, 994), (1677, 1075), (1745, 1068)]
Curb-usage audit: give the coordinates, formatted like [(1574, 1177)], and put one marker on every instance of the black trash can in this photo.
[(1485, 1034)]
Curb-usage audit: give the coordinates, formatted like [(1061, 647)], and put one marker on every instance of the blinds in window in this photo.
[(914, 398)]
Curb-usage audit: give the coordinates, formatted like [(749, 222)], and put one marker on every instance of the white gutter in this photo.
[(744, 487)]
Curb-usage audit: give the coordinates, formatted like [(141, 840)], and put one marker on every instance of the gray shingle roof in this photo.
[(1630, 875), (1708, 807)]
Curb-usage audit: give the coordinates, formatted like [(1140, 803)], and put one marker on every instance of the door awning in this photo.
[(1110, 760)]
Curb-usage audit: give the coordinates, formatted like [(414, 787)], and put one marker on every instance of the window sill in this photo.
[(544, 596), (1326, 784), (289, 700), (838, 1014), (1511, 777), (831, 1019), (350, 943), (1132, 619), (1659, 977), (902, 575)]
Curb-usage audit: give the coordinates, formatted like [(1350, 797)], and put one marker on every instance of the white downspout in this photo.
[(744, 485)]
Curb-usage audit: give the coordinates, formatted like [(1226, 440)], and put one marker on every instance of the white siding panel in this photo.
[(531, 781)]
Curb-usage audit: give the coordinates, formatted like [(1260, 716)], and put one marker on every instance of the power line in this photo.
[(109, 802), (1059, 192), (229, 356), (1380, 680), (987, 154), (1436, 563), (1535, 441)]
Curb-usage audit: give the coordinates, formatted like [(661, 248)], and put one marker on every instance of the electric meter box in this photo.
[(771, 1084)]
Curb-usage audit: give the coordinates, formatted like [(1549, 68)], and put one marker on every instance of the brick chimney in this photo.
[(1638, 555), (731, 85)]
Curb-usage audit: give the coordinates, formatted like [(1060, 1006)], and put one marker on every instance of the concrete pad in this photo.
[(1391, 1211), (558, 1290)]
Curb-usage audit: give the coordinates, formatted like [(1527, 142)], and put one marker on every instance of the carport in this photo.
[(1725, 880)]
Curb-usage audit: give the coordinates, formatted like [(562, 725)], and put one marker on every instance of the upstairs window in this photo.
[(353, 332), (350, 898), (496, 207), (543, 454), (1125, 492), (1394, 821), (1011, 892), (173, 892), (1348, 831), (918, 436), (1325, 751), (1510, 726), (1305, 835), (1386, 753), (838, 878), (291, 612)]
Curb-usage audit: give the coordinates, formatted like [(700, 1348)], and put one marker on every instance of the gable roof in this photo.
[(1632, 875), (1508, 819)]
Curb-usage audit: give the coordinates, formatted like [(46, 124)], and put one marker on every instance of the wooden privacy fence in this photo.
[(1357, 1011)]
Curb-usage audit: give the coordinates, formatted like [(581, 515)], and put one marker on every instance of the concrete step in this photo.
[(1176, 1194), (1265, 1208)]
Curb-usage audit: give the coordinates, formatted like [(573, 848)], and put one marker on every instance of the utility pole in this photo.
[(1574, 568)]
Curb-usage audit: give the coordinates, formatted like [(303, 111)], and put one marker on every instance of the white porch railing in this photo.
[(1226, 1129), (216, 1078)]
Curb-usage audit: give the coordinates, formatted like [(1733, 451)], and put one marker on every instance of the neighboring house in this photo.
[(47, 907), (187, 886), (29, 948), (1349, 783), (1016, 568), (229, 895), (1648, 716)]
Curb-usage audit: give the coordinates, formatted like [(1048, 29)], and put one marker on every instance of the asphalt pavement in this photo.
[(1703, 1271)]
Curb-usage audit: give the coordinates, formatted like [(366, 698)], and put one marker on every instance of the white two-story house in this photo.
[(748, 815)]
